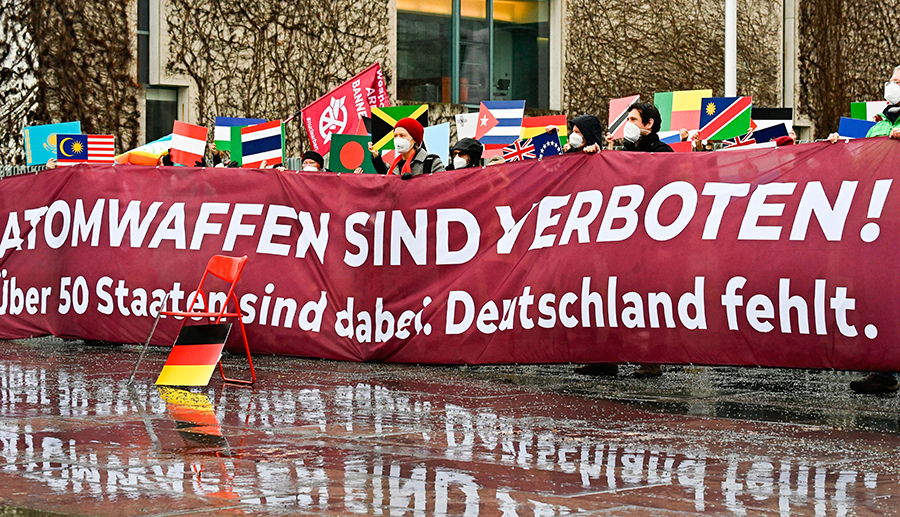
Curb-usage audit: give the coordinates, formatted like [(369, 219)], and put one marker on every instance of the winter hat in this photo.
[(316, 157), (414, 128)]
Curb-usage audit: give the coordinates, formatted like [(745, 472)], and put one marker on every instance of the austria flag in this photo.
[(188, 144)]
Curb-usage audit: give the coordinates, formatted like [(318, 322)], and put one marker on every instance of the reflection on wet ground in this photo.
[(330, 438)]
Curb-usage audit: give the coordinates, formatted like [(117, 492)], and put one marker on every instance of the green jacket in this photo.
[(883, 128)]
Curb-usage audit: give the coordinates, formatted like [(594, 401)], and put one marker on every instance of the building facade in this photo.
[(132, 68)]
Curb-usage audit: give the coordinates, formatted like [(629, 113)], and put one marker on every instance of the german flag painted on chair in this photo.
[(194, 355)]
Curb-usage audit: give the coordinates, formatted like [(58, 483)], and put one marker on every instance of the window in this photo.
[(161, 112), (143, 41), (468, 51)]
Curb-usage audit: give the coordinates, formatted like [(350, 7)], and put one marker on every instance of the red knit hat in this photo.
[(413, 127)]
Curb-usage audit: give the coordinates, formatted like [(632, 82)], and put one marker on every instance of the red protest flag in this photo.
[(338, 111)]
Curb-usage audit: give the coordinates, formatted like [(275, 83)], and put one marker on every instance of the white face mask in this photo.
[(576, 140), (892, 92), (632, 132), (310, 168), (402, 145), (459, 162)]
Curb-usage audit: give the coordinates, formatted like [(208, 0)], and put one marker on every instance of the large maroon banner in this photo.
[(775, 257)]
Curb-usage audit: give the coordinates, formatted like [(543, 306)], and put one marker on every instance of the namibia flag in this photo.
[(384, 119), (724, 117), (194, 355)]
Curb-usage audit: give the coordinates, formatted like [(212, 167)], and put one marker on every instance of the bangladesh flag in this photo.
[(384, 119), (349, 152)]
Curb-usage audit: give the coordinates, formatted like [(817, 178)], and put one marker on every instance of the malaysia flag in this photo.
[(75, 149)]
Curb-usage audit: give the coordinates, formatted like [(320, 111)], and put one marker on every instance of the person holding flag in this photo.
[(412, 157), (889, 125), (642, 128), (585, 136)]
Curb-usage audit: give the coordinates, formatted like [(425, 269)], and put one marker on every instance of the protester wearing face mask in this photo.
[(586, 135), (642, 128), (466, 153), (312, 162), (889, 125), (412, 158)]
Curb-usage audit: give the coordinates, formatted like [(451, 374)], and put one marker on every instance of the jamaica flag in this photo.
[(384, 119)]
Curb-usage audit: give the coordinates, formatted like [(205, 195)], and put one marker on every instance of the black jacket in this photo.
[(591, 129), (471, 148), (648, 144)]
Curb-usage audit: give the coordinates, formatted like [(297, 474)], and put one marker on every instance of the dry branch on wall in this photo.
[(86, 66), (845, 56), (638, 47), (268, 59), (18, 85)]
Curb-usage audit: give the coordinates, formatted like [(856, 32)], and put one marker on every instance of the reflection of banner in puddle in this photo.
[(194, 416), (775, 257)]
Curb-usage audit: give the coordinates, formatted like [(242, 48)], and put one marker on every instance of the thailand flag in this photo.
[(262, 143), (499, 123), (188, 143)]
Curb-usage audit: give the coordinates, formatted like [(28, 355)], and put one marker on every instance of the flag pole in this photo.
[(730, 48)]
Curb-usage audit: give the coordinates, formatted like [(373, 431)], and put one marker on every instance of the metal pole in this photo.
[(489, 4), (454, 51), (730, 48)]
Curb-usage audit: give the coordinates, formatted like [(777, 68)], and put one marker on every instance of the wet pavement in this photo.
[(319, 437)]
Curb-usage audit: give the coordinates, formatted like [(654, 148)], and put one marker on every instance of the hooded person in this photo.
[(312, 162), (466, 153), (412, 157), (586, 135)]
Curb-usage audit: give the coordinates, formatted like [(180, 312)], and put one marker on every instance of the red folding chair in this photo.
[(229, 270)]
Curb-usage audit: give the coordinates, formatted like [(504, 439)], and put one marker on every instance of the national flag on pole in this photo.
[(188, 143), (725, 117), (466, 125), (768, 117), (338, 111), (534, 126), (499, 123), (222, 132), (384, 119), (519, 150), (618, 112), (758, 136), (262, 142), (349, 152), (681, 109), (669, 137), (40, 141), (867, 110), (196, 351), (854, 128), (74, 149), (681, 147), (546, 144)]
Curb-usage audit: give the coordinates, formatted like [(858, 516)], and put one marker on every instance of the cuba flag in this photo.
[(71, 149), (724, 117)]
